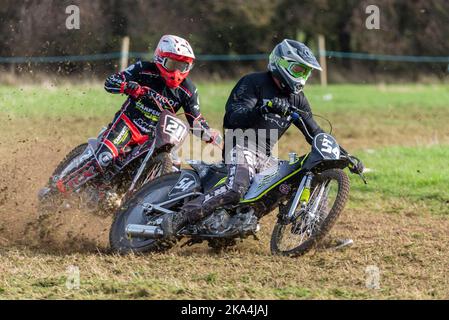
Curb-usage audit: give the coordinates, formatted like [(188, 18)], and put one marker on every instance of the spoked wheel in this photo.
[(133, 212), (94, 197), (160, 165), (313, 222), (51, 198), (51, 201)]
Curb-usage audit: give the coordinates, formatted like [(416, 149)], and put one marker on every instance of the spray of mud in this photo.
[(29, 152)]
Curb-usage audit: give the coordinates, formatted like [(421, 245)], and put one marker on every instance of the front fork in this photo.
[(141, 169), (302, 196)]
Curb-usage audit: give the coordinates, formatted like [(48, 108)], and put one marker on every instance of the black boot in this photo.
[(172, 223), (190, 212)]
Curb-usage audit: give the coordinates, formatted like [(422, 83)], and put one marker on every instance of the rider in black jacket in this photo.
[(247, 109)]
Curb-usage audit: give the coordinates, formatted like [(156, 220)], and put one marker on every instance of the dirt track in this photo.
[(406, 246), (26, 165)]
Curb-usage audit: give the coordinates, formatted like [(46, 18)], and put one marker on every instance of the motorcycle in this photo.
[(310, 192), (136, 166)]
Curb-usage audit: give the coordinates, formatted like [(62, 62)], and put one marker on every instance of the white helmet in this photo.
[(174, 58)]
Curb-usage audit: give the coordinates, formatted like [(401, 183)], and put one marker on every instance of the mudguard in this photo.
[(325, 154), (211, 175), (93, 144), (170, 130)]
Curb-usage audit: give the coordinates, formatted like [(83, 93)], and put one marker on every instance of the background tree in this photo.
[(37, 28)]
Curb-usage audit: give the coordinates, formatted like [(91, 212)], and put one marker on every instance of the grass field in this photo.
[(399, 221)]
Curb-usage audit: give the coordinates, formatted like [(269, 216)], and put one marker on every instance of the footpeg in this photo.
[(343, 243)]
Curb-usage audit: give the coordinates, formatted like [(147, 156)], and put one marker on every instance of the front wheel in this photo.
[(314, 221), (50, 199), (160, 165)]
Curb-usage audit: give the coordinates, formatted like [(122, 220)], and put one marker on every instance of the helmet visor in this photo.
[(296, 69), (173, 65)]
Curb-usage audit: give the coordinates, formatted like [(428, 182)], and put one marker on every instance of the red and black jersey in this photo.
[(144, 112)]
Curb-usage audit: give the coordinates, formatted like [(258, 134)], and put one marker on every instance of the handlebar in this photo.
[(354, 161), (294, 116), (217, 141), (292, 112)]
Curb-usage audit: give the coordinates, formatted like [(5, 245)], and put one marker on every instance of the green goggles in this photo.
[(296, 69)]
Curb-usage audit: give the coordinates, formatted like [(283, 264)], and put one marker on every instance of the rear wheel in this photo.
[(328, 197), (51, 201), (52, 198), (133, 212), (158, 166)]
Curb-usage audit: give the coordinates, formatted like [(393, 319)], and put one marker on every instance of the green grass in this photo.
[(92, 100), (413, 174), (378, 97), (64, 101)]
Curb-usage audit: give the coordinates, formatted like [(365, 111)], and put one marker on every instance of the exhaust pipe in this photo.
[(143, 231)]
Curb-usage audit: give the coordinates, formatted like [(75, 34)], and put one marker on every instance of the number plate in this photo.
[(175, 128), (327, 146)]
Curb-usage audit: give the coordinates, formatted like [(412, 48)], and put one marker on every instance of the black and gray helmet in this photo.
[(292, 62)]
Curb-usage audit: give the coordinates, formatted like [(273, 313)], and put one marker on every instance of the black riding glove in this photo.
[(278, 106), (356, 165)]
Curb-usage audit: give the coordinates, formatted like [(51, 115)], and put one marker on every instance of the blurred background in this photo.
[(230, 37)]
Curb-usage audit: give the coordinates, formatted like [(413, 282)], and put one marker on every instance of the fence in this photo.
[(124, 56), (210, 57)]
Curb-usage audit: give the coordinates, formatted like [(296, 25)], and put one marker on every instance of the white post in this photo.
[(12, 69), (124, 56), (322, 53)]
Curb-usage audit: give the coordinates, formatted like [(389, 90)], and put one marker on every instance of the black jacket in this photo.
[(256, 89)]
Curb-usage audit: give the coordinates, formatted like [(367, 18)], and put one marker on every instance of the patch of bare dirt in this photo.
[(29, 153)]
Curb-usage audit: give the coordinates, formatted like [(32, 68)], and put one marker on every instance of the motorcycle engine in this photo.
[(216, 223), (222, 224)]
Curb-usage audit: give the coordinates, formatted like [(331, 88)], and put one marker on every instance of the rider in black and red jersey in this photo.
[(165, 80)]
